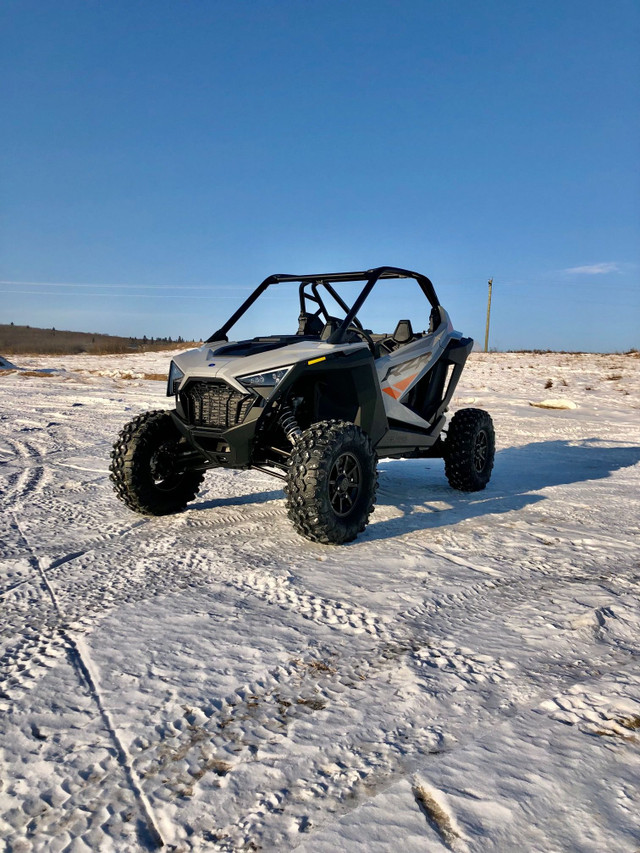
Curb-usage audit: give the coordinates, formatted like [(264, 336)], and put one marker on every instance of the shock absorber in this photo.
[(289, 424)]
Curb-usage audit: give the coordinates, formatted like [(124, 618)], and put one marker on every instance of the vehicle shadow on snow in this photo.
[(240, 500), (520, 473)]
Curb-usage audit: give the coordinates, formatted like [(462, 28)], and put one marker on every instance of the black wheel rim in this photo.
[(345, 484), (162, 466), (481, 451)]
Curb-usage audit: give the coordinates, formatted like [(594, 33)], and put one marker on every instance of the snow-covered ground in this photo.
[(465, 676)]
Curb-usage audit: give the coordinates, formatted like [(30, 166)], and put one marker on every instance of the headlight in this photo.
[(175, 377), (265, 380)]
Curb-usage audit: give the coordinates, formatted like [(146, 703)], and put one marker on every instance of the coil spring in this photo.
[(289, 424)]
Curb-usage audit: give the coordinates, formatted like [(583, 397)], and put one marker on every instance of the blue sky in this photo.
[(158, 159)]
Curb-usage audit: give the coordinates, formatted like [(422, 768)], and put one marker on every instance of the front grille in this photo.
[(215, 404)]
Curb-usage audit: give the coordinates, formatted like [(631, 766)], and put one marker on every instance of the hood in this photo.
[(228, 360)]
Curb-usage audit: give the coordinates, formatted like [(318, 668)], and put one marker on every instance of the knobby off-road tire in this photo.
[(469, 450), (143, 466), (331, 482)]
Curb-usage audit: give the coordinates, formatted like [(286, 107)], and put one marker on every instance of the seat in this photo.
[(330, 327), (309, 324), (403, 333)]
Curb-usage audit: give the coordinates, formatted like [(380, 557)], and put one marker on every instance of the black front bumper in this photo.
[(218, 421)]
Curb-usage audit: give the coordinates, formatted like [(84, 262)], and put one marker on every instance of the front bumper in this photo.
[(218, 421)]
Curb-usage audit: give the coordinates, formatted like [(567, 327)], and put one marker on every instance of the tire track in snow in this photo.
[(278, 591), (234, 566), (286, 695), (262, 717), (40, 645), (94, 590), (225, 524), (232, 519), (84, 663), (31, 479), (82, 660), (257, 578), (253, 575), (13, 586), (259, 715)]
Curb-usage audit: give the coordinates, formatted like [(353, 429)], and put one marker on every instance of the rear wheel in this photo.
[(331, 482), (145, 466), (469, 450)]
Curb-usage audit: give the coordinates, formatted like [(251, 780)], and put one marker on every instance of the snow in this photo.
[(465, 676)]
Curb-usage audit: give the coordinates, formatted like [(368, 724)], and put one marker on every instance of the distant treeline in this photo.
[(30, 340)]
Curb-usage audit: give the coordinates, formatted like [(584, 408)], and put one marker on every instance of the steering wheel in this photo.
[(358, 330)]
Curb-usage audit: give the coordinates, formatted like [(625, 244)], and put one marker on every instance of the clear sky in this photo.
[(158, 159)]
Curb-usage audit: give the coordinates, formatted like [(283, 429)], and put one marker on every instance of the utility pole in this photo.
[(486, 334)]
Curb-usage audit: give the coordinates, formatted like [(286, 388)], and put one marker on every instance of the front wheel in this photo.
[(145, 466), (331, 482), (469, 450)]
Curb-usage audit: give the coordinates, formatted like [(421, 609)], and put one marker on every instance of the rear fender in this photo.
[(443, 379)]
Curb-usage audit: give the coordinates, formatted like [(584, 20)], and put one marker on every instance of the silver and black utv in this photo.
[(315, 407)]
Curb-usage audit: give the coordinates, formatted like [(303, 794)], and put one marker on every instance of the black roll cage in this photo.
[(371, 277)]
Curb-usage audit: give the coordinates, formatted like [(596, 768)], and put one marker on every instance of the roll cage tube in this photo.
[(371, 277)]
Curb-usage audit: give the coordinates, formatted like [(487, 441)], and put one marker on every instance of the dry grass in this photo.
[(632, 723), (154, 377), (619, 727), (39, 374), (128, 377), (313, 702), (436, 815), (219, 767), (28, 374), (25, 340), (319, 666), (618, 734), (547, 351), (549, 383)]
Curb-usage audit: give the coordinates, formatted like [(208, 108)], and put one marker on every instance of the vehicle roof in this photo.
[(361, 275)]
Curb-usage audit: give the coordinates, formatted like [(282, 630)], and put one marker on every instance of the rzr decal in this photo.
[(399, 377)]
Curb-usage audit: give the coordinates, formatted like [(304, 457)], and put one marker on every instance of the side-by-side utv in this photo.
[(315, 407)]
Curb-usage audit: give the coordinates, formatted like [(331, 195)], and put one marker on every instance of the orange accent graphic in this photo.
[(392, 393), (405, 382)]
